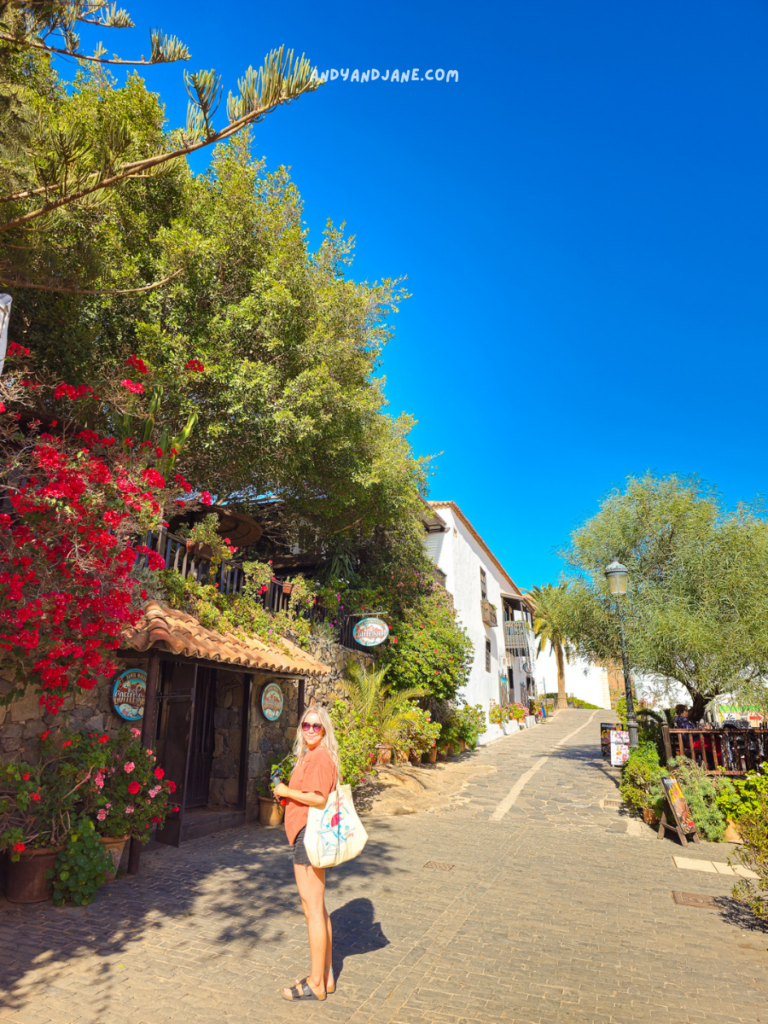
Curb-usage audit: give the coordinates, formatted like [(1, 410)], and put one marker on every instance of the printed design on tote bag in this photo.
[(336, 827)]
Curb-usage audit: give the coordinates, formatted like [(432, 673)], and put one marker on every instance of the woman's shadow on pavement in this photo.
[(355, 932)]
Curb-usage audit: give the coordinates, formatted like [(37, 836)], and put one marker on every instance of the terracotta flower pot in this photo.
[(384, 754), (432, 755), (732, 834), (26, 876), (414, 757), (287, 588), (270, 812), (462, 746), (650, 817), (114, 845), (196, 550)]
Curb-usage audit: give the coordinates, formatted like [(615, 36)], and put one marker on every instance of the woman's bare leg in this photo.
[(311, 886)]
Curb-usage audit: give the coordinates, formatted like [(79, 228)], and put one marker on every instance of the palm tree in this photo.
[(374, 703), (548, 628)]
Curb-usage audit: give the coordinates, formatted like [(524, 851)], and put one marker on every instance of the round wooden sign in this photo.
[(129, 693), (272, 702)]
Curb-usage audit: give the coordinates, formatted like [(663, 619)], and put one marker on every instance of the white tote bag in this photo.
[(335, 833)]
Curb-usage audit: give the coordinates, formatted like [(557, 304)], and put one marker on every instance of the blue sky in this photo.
[(581, 219)]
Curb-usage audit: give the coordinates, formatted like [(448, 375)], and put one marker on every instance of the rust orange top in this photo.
[(315, 774)]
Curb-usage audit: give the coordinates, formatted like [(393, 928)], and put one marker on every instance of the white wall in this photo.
[(460, 557), (582, 680)]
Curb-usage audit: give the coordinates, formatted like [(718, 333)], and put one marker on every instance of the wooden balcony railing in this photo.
[(719, 751), (231, 580)]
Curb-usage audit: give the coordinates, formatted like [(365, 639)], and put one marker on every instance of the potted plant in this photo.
[(90, 791), (421, 735), (272, 810), (204, 541), (129, 793), (496, 714), (37, 810), (739, 799)]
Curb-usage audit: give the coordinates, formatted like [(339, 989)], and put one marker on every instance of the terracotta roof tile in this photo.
[(165, 629)]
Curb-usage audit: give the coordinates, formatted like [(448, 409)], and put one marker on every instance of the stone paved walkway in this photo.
[(558, 912)]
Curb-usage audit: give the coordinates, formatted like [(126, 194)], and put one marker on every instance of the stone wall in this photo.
[(83, 711), (91, 711)]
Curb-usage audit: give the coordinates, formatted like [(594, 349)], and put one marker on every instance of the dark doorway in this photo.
[(175, 708), (202, 741)]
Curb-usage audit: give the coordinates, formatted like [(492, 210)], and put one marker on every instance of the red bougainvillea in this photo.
[(75, 504)]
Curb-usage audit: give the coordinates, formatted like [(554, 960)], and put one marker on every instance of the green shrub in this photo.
[(80, 867), (753, 854), (700, 791), (357, 743), (639, 777), (470, 723), (743, 798)]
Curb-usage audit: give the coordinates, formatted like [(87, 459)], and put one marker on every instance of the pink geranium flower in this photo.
[(129, 766), (101, 815), (130, 809), (135, 732)]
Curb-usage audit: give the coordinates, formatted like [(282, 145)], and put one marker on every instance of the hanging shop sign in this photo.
[(371, 632), (129, 694), (272, 702)]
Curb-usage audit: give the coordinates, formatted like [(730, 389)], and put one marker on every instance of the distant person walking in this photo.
[(312, 781)]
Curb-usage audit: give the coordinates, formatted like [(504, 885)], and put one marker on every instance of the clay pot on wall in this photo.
[(383, 753), (414, 757), (195, 550), (287, 588), (431, 755), (650, 817), (732, 834), (114, 845), (462, 746), (271, 813), (26, 876)]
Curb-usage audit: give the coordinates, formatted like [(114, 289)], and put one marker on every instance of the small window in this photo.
[(487, 655), (483, 586)]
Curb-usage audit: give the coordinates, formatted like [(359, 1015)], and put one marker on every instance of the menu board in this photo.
[(605, 738), (619, 747), (678, 804)]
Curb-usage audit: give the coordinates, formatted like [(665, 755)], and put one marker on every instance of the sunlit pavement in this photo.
[(541, 904)]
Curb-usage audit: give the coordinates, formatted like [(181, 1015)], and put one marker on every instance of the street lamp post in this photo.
[(616, 574)]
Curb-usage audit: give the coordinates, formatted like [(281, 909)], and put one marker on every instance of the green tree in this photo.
[(698, 585), (428, 648), (56, 162), (549, 624)]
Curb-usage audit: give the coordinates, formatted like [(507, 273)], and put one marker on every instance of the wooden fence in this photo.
[(719, 751)]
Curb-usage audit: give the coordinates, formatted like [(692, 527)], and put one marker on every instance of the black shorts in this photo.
[(299, 850)]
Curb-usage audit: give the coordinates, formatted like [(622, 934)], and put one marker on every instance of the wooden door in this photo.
[(202, 740), (176, 704)]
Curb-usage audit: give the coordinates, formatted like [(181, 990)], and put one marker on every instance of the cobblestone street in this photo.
[(542, 905)]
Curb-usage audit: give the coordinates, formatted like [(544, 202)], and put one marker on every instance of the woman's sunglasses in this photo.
[(311, 727)]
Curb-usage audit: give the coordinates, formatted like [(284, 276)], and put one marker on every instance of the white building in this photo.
[(490, 606), (582, 680)]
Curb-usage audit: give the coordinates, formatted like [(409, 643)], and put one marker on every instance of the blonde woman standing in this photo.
[(312, 781)]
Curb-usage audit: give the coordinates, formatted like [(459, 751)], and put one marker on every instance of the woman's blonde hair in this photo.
[(328, 741)]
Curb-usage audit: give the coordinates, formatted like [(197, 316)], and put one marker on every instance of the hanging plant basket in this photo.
[(196, 550)]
